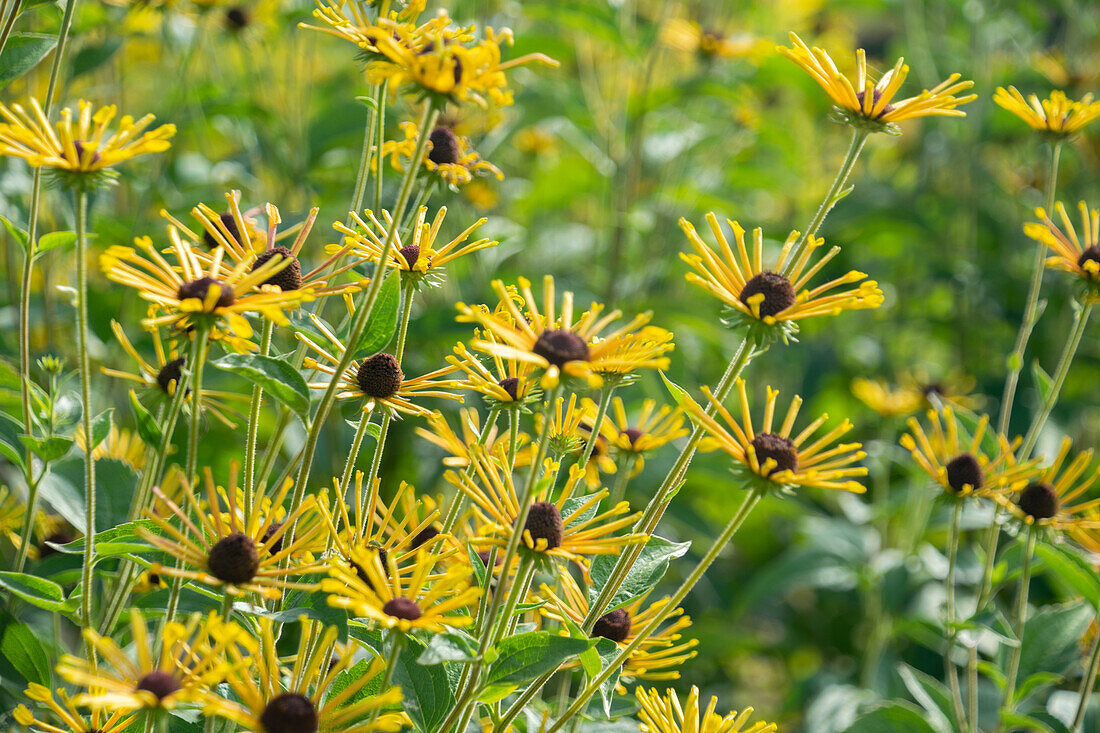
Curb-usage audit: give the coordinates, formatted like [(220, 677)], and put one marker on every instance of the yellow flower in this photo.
[(419, 599), (270, 695), (419, 256), (1073, 254), (161, 376), (876, 110), (656, 658), (689, 37), (186, 665), (913, 392), (664, 714), (66, 712), (962, 468), (556, 344), (347, 19), (13, 513), (757, 295), (80, 146), (378, 379), (440, 433), (120, 444), (448, 155), (652, 428), (569, 527), (238, 555), (776, 457), (1057, 114), (1046, 500), (509, 384), (185, 292)]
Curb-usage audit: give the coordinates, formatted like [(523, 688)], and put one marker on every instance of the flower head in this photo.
[(873, 107), (65, 711), (1047, 499), (1057, 115), (766, 302), (1075, 254), (448, 155), (457, 444), (665, 714), (773, 457), (652, 428), (915, 390), (706, 43), (506, 383)]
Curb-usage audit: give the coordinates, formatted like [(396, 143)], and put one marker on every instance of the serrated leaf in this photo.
[(525, 656), (35, 591), (643, 576), (278, 378), (147, 426), (22, 53)]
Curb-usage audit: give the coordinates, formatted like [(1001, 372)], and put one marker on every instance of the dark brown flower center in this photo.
[(410, 253), (633, 435), (276, 546), (876, 95), (777, 448), (379, 376), (560, 347), (445, 147), (383, 557), (234, 559), (511, 386), (230, 223), (778, 293), (422, 537), (401, 607), (544, 523), (1039, 500), (236, 18), (199, 289), (169, 373), (290, 277), (161, 684), (1091, 254), (964, 470), (614, 625), (289, 713), (80, 153)]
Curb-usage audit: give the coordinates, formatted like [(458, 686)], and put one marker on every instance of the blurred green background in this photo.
[(807, 615)]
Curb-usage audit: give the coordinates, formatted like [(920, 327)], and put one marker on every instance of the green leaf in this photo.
[(101, 428), (313, 606), (494, 693), (427, 689), (23, 52), (21, 647), (894, 717), (277, 378), (382, 322), (18, 234), (35, 591), (1013, 720), (118, 540), (679, 394), (1051, 637), (1042, 380), (147, 426), (607, 651), (1071, 569), (48, 449), (523, 657), (931, 694), (353, 674), (451, 646), (90, 58), (54, 240), (642, 577)]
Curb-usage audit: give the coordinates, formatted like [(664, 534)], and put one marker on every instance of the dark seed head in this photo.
[(289, 713), (1039, 500), (159, 683), (876, 95), (778, 292), (382, 558), (614, 625), (277, 546), (236, 18), (963, 470), (544, 522), (511, 386), (560, 347), (234, 559), (410, 253), (170, 372), (444, 146), (379, 376), (80, 152), (633, 435), (1091, 254), (199, 288), (779, 449), (290, 277), (933, 390), (401, 607), (423, 536), (230, 225)]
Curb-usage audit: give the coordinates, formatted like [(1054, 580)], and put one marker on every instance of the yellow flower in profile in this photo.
[(569, 527), (1079, 255), (708, 43), (233, 548), (966, 468), (193, 290), (652, 428), (507, 384), (376, 380), (420, 256), (658, 657), (186, 665), (1046, 501), (121, 444), (914, 391), (448, 155), (348, 19), (457, 446), (665, 714), (756, 295), (79, 146), (556, 344), (1057, 114), (420, 599), (66, 712), (270, 695), (870, 106), (774, 455)]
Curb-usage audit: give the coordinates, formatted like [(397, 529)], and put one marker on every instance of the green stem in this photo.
[(513, 436), (396, 645), (1080, 322), (1031, 307), (1087, 683), (594, 432), (363, 174), (85, 368), (972, 686), (520, 587), (380, 135), (949, 663), (859, 137), (10, 24), (705, 562), (1019, 616), (622, 478), (202, 336), (254, 428)]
